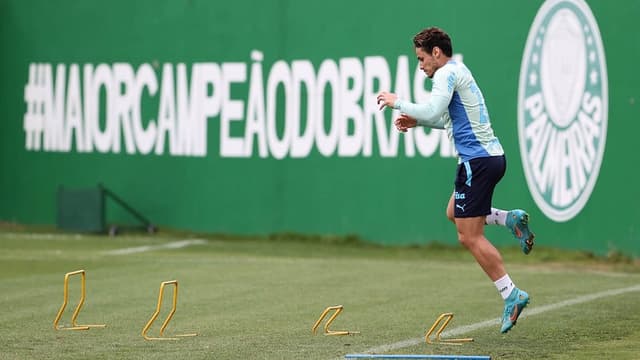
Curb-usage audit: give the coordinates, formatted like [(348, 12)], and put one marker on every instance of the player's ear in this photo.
[(435, 52)]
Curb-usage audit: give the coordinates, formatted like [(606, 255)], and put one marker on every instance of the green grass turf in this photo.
[(257, 298)]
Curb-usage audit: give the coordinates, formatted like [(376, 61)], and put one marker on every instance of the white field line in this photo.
[(171, 245), (494, 322), (43, 236)]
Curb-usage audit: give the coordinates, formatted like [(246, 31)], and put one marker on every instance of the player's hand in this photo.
[(387, 99), (405, 122)]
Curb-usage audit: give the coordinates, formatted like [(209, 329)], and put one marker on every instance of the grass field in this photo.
[(258, 299)]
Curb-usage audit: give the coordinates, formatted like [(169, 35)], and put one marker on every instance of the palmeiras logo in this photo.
[(562, 107)]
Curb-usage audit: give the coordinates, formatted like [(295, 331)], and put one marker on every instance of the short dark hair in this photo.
[(432, 37)]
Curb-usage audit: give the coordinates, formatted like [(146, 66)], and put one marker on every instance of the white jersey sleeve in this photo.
[(457, 105)]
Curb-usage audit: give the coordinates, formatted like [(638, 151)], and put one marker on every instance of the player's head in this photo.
[(431, 38), (433, 49)]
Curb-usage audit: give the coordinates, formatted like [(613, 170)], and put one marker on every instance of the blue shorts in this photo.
[(475, 181)]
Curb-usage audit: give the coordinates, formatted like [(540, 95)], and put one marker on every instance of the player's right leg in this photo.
[(518, 222)]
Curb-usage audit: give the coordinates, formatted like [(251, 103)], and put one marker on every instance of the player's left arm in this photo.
[(428, 114)]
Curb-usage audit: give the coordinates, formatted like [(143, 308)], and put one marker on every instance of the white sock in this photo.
[(504, 286), (497, 217)]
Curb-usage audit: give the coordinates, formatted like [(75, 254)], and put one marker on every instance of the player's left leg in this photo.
[(475, 182), (471, 236), (450, 214), (513, 306)]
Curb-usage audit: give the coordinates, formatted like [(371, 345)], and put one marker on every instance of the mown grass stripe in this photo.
[(461, 330)]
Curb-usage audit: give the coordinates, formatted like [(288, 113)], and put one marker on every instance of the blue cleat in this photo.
[(518, 223), (513, 306)]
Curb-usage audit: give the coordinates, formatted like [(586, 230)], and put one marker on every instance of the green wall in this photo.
[(197, 112)]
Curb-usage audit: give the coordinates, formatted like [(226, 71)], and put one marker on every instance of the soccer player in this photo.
[(457, 106)]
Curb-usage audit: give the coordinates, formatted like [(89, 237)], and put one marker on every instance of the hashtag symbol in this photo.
[(34, 96)]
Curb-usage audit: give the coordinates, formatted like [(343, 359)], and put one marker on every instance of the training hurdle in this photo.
[(157, 312), (417, 356), (444, 319), (74, 324), (338, 309)]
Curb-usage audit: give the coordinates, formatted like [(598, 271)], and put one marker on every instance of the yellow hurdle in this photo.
[(157, 312), (444, 319), (338, 309), (74, 324)]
